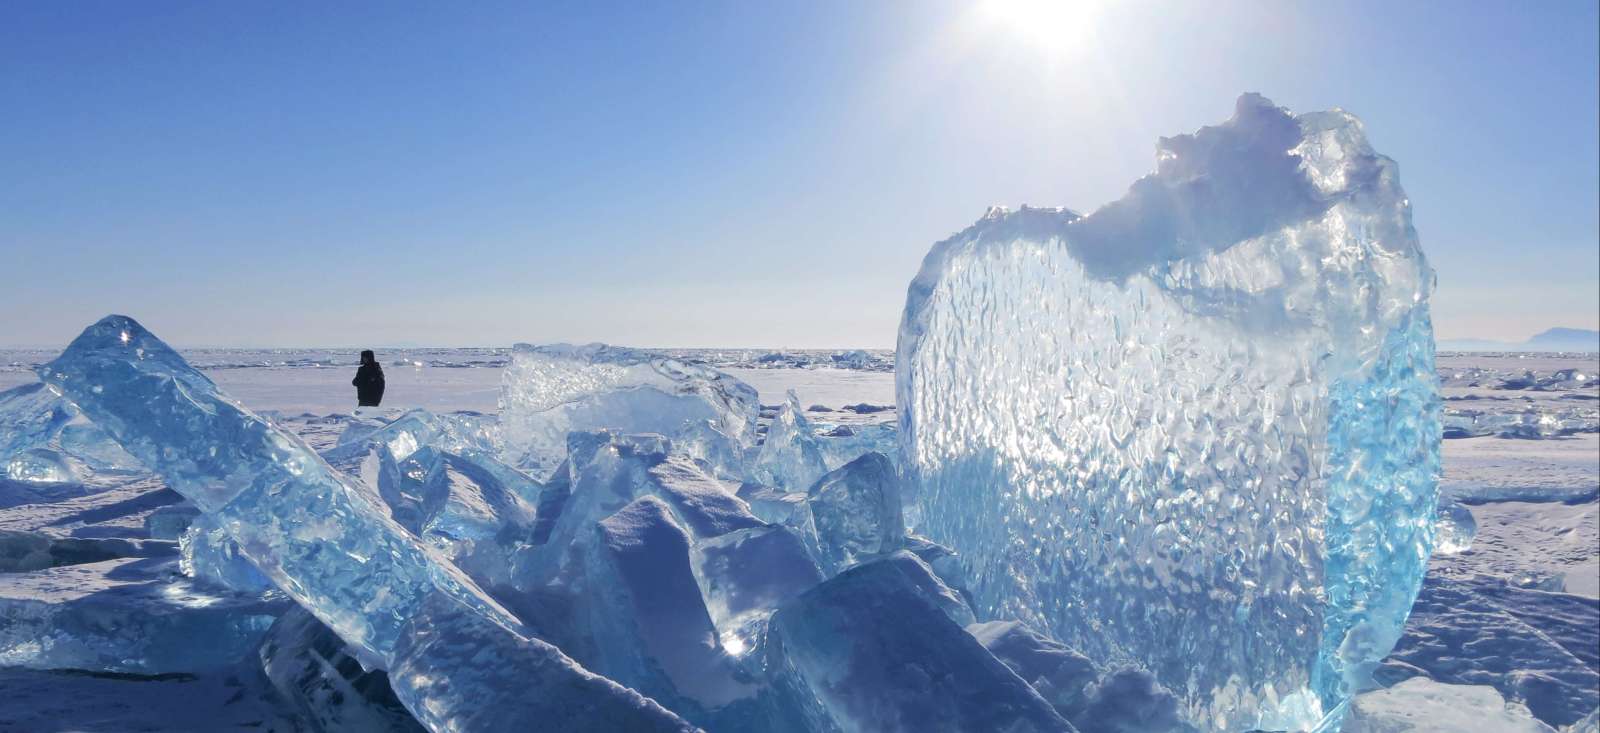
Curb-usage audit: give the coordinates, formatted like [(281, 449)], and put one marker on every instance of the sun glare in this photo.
[(1055, 27)]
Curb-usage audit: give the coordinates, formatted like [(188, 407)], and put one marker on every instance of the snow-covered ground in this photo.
[(1517, 614)]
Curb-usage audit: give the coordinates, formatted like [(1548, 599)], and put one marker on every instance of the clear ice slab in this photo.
[(852, 513), (1198, 429), (329, 544), (790, 458), (549, 391)]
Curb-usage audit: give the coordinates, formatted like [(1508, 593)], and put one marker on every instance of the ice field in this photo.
[(1188, 462), (1515, 614)]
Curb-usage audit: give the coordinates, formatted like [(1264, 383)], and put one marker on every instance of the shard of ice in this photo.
[(604, 473), (549, 391), (790, 458), (30, 416), (650, 626), (747, 574), (456, 657), (1198, 429), (875, 649), (208, 555), (852, 513)]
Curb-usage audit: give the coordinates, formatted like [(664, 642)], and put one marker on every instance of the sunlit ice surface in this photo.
[(1198, 430)]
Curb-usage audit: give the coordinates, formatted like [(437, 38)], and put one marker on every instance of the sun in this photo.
[(1054, 27)]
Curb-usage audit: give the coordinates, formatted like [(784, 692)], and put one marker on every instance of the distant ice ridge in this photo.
[(1196, 430)]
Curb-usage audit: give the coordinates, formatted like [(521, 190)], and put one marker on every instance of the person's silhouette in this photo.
[(369, 381)]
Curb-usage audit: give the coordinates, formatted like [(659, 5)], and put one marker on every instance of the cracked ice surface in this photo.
[(1198, 429)]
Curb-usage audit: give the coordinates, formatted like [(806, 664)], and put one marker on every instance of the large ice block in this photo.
[(549, 391), (1197, 429), (328, 543)]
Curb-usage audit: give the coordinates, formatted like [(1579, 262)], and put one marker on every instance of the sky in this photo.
[(762, 174)]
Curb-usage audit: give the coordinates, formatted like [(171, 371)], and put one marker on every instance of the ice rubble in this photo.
[(326, 542), (1196, 430)]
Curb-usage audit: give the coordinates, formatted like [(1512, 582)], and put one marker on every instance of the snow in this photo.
[(1422, 706), (1197, 429)]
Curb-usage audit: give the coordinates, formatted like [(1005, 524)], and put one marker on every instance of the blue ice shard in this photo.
[(852, 513), (606, 472), (549, 391), (329, 544), (1197, 429), (30, 416), (650, 626), (210, 556), (790, 458)]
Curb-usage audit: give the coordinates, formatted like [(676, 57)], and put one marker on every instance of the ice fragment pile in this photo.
[(327, 542), (1196, 430)]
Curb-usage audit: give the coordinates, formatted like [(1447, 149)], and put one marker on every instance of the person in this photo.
[(368, 381)]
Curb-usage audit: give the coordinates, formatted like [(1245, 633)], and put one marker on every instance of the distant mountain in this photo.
[(1565, 339), (1555, 339)]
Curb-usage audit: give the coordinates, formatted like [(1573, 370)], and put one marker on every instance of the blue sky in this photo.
[(718, 174)]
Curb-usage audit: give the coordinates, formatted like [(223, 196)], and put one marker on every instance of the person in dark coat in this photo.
[(369, 381)]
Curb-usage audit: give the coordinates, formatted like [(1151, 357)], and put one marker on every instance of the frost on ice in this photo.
[(1196, 430)]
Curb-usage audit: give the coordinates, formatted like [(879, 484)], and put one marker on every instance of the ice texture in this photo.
[(457, 658), (1198, 429), (852, 513), (1454, 530), (549, 391), (790, 458), (40, 466), (30, 416), (210, 556)]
